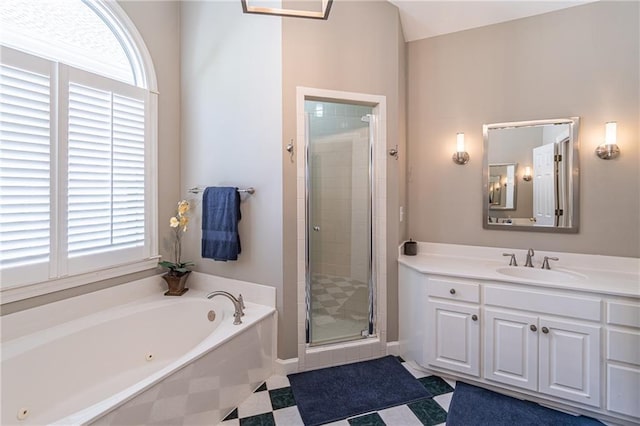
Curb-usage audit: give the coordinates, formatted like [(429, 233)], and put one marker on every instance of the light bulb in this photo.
[(460, 142), (610, 129)]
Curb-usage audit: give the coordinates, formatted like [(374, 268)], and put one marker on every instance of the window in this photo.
[(77, 145)]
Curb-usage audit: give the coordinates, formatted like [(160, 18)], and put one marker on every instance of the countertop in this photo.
[(605, 275)]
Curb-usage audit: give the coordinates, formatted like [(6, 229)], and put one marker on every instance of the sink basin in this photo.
[(537, 274)]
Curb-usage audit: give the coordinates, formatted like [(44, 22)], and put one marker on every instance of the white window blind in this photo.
[(75, 149), (106, 171), (25, 146), (128, 171)]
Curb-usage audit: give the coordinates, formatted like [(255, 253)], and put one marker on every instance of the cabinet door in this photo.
[(453, 340), (570, 361), (511, 348)]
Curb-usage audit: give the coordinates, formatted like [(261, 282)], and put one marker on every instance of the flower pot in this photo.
[(176, 283)]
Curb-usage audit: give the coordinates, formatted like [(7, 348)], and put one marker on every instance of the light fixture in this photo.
[(460, 156), (319, 11), (609, 149), (527, 174)]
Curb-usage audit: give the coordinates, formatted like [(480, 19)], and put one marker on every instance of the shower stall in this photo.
[(340, 283)]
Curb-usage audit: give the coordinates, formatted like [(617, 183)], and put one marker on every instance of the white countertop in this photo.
[(609, 275)]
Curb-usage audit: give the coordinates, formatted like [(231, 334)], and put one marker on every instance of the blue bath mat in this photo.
[(472, 405), (336, 393)]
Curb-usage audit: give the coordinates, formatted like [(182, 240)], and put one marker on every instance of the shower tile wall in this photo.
[(331, 204), (340, 189)]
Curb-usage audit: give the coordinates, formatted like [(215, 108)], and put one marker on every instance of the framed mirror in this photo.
[(539, 159), (502, 186)]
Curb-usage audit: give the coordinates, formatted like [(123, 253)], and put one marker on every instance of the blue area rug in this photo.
[(472, 405), (336, 393)]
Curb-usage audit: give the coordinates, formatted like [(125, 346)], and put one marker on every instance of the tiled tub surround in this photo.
[(130, 355), (568, 341)]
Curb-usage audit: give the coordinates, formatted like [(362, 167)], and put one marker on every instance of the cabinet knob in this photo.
[(474, 317), (452, 291), (533, 327), (545, 330)]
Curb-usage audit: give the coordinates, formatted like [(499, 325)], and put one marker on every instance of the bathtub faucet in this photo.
[(238, 304)]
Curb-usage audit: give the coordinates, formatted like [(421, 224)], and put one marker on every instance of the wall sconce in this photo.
[(527, 174), (461, 156), (609, 149), (323, 6)]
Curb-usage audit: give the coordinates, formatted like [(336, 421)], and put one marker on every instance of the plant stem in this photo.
[(177, 247)]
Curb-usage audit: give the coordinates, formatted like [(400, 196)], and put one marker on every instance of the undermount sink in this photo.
[(548, 275)]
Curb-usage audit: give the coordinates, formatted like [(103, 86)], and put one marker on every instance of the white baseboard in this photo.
[(393, 348), (284, 367)]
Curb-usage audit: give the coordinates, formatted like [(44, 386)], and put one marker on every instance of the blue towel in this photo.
[(220, 217)]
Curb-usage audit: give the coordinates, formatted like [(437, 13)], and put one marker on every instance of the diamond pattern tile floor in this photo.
[(273, 404)]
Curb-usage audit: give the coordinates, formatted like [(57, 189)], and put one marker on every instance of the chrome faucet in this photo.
[(528, 262), (238, 304)]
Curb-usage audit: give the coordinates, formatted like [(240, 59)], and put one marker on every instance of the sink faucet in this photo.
[(530, 254), (512, 261), (238, 304), (545, 263)]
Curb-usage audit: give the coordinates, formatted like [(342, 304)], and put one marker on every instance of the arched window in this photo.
[(78, 108)]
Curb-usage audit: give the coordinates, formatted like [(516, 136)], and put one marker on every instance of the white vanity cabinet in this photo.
[(453, 326), (568, 338), (526, 347), (623, 357)]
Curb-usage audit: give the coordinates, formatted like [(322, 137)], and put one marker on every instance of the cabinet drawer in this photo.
[(543, 302), (621, 313), (622, 390), (452, 289), (623, 346)]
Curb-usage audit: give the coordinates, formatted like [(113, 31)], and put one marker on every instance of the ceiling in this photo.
[(426, 18)]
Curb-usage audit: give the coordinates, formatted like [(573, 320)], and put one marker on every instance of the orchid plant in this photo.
[(179, 224)]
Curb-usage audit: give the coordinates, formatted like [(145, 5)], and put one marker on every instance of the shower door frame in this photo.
[(377, 136)]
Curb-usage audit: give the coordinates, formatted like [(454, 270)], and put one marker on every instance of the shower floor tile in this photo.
[(283, 410), (339, 307)]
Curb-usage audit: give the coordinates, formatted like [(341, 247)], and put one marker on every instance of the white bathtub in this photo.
[(129, 355)]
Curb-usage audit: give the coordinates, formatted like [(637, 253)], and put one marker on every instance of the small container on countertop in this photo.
[(410, 248)]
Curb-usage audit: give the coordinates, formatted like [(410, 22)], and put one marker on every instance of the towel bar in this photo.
[(197, 190)]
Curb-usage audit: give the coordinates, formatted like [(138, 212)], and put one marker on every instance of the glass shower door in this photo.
[(339, 222)]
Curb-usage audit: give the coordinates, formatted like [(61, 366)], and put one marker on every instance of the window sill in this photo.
[(20, 292)]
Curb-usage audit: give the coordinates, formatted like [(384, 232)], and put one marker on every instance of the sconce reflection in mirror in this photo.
[(460, 156), (609, 149), (527, 174)]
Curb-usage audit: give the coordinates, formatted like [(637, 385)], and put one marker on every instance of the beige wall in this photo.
[(359, 49), (582, 61), (158, 22)]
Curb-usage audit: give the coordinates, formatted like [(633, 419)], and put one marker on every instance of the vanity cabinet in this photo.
[(555, 357), (453, 326), (548, 354), (623, 357), (569, 340)]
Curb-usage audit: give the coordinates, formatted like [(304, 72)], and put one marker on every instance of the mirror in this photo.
[(502, 186), (530, 175)]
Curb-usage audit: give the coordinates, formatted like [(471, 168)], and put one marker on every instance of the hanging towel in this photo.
[(220, 217)]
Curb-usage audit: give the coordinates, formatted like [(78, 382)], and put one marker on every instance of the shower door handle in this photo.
[(316, 228)]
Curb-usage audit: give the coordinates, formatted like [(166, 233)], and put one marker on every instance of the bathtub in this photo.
[(129, 355)]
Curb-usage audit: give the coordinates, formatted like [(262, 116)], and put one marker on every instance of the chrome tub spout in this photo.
[(238, 304)]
